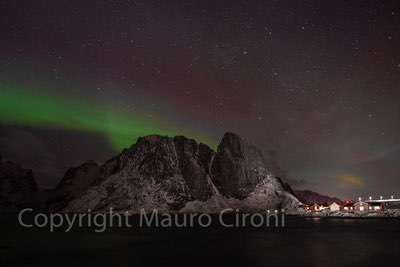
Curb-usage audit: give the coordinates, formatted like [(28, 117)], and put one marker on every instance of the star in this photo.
[(273, 65)]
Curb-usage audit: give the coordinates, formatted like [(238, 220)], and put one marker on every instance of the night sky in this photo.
[(318, 82)]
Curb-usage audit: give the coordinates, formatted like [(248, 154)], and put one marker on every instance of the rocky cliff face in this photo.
[(17, 187), (179, 174), (238, 167), (157, 172)]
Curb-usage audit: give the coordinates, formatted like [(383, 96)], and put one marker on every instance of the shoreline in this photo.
[(338, 215), (345, 217)]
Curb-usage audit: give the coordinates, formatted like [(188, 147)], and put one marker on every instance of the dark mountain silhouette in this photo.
[(18, 188), (310, 197), (172, 174), (75, 181)]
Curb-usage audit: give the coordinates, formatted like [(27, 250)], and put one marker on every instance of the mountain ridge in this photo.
[(18, 187), (173, 174), (310, 197)]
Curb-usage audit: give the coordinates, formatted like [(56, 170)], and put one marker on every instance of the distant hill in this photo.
[(310, 197), (18, 188)]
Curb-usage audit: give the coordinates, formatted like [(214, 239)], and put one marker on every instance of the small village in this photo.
[(369, 206)]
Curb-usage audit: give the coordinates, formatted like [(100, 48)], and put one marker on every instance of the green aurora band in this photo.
[(19, 106)]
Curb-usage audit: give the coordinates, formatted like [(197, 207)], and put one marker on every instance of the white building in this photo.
[(361, 206), (334, 206), (376, 207)]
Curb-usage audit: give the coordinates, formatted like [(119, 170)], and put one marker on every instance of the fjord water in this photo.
[(302, 242)]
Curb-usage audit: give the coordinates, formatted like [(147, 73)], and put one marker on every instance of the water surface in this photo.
[(303, 242)]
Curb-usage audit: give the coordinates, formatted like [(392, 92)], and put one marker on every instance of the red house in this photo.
[(315, 207)]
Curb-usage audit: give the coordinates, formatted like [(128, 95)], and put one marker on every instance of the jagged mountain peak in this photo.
[(238, 167), (169, 173)]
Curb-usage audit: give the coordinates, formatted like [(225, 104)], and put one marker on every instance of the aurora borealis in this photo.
[(24, 107), (317, 82)]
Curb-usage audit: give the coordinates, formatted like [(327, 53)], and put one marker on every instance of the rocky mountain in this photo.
[(18, 188), (310, 197), (75, 181), (177, 174), (167, 173)]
